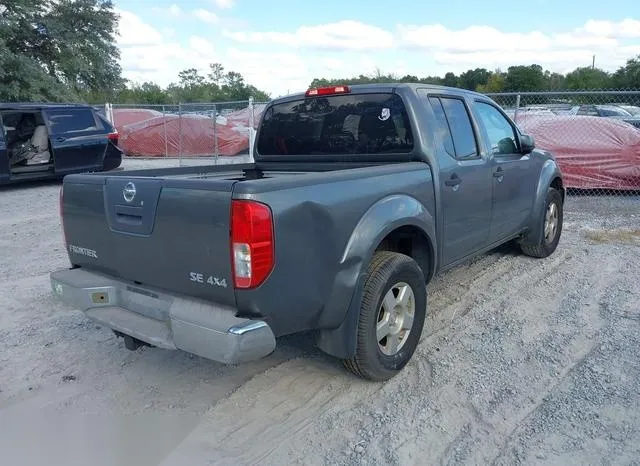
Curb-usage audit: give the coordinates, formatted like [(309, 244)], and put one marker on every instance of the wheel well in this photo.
[(413, 242), (557, 184)]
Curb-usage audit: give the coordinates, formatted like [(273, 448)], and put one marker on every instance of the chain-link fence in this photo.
[(594, 135), (187, 131)]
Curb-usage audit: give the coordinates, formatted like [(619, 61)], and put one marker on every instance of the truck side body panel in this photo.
[(323, 244)]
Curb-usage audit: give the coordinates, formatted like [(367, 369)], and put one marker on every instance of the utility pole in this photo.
[(593, 63)]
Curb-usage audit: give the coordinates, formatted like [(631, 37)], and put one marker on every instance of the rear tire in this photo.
[(392, 314), (551, 227)]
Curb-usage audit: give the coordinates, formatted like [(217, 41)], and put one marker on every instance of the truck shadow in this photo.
[(26, 185)]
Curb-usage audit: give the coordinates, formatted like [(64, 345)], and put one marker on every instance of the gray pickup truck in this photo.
[(358, 196)]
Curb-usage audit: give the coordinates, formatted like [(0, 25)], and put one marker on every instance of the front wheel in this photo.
[(392, 314), (551, 227)]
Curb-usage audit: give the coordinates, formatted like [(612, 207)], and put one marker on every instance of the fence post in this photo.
[(164, 125), (215, 133), (515, 113), (180, 134), (108, 111), (215, 136), (251, 124)]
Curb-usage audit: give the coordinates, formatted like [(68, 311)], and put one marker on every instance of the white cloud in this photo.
[(473, 38), (341, 35), (206, 16), (224, 3), (489, 47), (172, 10), (175, 10), (148, 55), (278, 72), (488, 38), (627, 28), (203, 46), (133, 31)]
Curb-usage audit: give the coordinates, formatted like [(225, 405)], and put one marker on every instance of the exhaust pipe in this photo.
[(130, 342)]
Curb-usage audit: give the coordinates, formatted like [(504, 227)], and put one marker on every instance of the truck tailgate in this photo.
[(170, 234)]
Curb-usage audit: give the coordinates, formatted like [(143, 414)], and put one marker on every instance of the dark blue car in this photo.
[(40, 141)]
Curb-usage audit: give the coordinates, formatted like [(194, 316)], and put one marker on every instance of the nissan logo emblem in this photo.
[(129, 192)]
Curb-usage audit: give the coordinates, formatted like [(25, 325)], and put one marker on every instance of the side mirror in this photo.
[(527, 143)]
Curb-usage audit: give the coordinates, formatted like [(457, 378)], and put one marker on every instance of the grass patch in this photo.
[(631, 236)]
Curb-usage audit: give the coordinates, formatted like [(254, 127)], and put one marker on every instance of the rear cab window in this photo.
[(342, 124), (72, 120)]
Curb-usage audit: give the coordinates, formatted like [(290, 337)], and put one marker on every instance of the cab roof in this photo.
[(386, 87)]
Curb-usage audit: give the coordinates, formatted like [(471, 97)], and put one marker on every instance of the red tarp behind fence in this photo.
[(148, 133), (593, 152)]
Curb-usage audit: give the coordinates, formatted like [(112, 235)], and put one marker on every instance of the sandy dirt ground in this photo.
[(522, 361)]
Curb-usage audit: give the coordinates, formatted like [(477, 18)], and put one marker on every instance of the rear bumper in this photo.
[(164, 320)]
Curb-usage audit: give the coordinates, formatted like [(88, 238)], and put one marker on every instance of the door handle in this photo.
[(499, 173), (453, 181), (61, 139)]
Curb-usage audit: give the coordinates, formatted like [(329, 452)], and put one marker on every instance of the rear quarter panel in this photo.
[(326, 227)]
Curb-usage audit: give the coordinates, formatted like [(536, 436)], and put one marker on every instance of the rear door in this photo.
[(78, 139), (465, 180)]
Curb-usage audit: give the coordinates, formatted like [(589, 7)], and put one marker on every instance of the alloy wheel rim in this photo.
[(395, 318)]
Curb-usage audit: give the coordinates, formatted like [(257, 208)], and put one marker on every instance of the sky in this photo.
[(279, 46)]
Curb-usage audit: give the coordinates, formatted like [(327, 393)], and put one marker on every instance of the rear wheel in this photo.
[(551, 227), (391, 316)]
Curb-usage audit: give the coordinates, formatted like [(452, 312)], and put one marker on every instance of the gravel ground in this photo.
[(522, 361)]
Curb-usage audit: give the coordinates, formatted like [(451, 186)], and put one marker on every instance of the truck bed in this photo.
[(242, 172), (173, 231)]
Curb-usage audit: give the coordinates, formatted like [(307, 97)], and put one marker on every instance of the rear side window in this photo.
[(443, 126), (454, 124), (72, 120), (464, 138), (339, 124)]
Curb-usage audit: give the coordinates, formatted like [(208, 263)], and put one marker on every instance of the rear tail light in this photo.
[(252, 246), (113, 137), (328, 90)]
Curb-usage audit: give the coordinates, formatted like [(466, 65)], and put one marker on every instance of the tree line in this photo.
[(519, 78), (65, 50)]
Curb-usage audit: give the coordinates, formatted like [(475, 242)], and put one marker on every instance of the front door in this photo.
[(514, 182), (465, 181), (78, 139)]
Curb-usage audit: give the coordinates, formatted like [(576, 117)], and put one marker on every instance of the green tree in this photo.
[(63, 49), (628, 76), (554, 81), (146, 93), (216, 74), (471, 79), (587, 78), (495, 83), (191, 87), (524, 78), (450, 79)]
